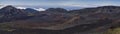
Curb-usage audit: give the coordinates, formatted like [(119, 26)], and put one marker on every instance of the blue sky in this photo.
[(61, 3)]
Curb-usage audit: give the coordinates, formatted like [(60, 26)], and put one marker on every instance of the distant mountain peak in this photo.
[(109, 7), (61, 10), (8, 7), (30, 9)]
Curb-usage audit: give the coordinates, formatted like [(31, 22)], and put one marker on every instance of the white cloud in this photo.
[(40, 9), (21, 7)]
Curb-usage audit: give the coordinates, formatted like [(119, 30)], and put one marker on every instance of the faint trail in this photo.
[(65, 24), (69, 21)]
